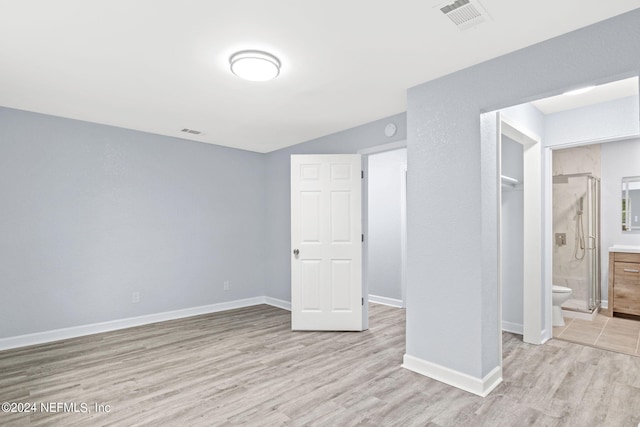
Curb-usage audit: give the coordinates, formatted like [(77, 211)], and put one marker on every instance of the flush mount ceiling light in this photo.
[(579, 91), (254, 65)]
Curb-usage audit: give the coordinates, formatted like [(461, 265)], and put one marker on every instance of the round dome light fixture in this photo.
[(254, 65)]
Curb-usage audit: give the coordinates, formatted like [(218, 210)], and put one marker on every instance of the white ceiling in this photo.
[(160, 65)]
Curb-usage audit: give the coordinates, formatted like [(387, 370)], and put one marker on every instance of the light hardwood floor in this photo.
[(245, 367)]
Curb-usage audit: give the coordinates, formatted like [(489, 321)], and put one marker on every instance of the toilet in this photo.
[(559, 295)]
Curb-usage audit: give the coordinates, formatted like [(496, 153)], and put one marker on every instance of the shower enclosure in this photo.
[(576, 250)]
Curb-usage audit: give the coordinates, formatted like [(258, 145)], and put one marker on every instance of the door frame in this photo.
[(548, 214), (365, 152), (534, 304), (403, 233)]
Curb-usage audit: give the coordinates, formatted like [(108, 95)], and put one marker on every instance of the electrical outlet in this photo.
[(135, 297), (226, 285)]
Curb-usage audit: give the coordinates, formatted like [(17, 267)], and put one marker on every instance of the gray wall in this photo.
[(278, 209), (92, 213), (452, 308), (385, 223)]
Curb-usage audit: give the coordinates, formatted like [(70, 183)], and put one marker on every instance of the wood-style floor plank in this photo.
[(246, 367)]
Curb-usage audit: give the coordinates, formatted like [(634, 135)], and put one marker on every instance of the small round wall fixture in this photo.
[(254, 65), (390, 129)]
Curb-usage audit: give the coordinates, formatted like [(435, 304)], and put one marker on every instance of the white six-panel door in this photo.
[(326, 242)]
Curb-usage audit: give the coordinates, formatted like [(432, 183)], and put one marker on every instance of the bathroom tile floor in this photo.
[(608, 333)]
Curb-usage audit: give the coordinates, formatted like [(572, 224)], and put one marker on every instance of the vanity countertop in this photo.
[(625, 248)]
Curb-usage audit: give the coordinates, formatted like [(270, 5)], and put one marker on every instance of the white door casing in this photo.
[(326, 242), (533, 321)]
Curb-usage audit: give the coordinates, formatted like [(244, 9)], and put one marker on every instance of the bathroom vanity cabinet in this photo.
[(624, 283)]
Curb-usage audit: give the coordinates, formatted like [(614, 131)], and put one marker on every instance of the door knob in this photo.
[(296, 252)]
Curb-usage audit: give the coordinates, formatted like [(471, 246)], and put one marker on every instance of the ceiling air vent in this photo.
[(465, 13), (194, 132)]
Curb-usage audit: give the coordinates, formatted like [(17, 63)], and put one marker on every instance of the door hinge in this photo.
[(362, 300), (362, 174), (362, 237)]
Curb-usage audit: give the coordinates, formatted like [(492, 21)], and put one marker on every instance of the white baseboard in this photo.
[(516, 328), (546, 336), (113, 325), (285, 305), (604, 303), (479, 386), (386, 301)]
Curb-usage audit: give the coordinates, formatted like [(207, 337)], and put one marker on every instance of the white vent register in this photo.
[(465, 13)]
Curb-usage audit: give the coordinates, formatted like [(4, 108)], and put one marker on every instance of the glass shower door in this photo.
[(576, 225)]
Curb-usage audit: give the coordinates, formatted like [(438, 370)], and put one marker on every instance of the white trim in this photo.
[(113, 325), (594, 141), (534, 306), (285, 305), (546, 336), (548, 243), (403, 233), (604, 303), (479, 386), (385, 301), (384, 147), (515, 328)]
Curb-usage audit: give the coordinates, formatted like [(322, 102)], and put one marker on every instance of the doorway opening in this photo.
[(608, 113), (521, 215), (384, 223)]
